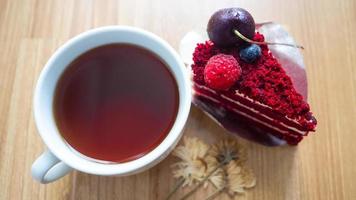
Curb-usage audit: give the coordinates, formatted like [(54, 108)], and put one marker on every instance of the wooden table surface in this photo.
[(321, 167)]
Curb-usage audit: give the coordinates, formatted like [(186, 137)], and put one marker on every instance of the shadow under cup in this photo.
[(64, 56)]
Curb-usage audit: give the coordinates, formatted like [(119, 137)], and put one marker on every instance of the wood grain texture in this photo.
[(321, 167)]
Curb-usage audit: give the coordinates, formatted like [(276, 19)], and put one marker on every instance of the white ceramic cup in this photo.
[(60, 158)]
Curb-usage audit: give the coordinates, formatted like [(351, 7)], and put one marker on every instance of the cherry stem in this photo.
[(238, 34)]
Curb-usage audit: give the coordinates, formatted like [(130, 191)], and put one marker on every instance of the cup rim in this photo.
[(134, 166)]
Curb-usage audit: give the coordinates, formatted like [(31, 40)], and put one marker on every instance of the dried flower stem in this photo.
[(215, 194), (176, 187), (224, 162), (202, 182), (238, 34)]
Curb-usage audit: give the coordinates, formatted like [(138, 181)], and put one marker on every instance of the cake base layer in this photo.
[(245, 124)]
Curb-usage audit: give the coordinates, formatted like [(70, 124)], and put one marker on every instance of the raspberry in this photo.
[(221, 72)]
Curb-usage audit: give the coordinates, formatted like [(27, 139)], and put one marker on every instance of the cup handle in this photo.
[(48, 168)]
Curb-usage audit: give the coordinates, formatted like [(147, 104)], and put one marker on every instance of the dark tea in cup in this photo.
[(116, 102)]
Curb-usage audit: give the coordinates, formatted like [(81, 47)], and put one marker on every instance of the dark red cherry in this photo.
[(224, 21)]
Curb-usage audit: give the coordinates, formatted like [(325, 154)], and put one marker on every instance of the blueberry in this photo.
[(250, 53)]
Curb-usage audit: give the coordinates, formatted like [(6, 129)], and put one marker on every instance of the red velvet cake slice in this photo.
[(262, 105)]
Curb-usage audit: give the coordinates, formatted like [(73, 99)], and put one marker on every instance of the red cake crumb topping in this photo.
[(265, 81), (221, 72)]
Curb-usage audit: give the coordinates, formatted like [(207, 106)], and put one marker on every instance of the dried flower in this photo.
[(192, 166), (227, 150), (223, 164), (238, 178), (233, 176)]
